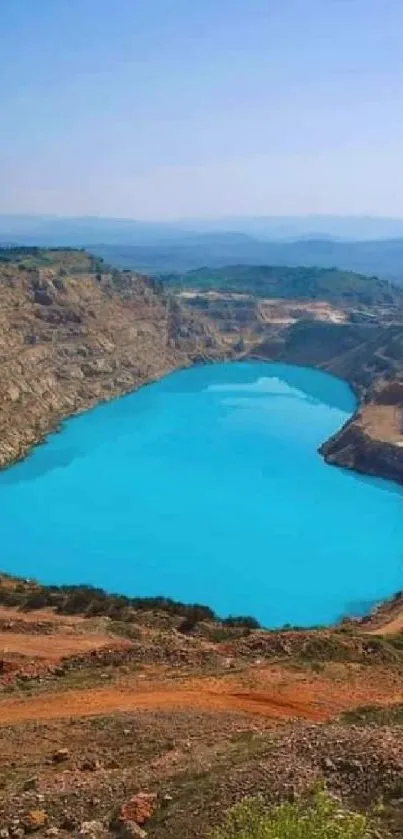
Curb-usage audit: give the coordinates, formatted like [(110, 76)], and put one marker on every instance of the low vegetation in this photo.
[(304, 283), (391, 715), (95, 602), (68, 260), (322, 818)]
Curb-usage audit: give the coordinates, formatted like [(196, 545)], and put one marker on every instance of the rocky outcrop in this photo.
[(72, 335), (353, 449), (370, 358)]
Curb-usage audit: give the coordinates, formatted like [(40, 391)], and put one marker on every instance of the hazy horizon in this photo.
[(185, 109), (200, 218), (73, 230)]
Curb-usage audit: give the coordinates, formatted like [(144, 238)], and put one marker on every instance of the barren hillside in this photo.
[(73, 334)]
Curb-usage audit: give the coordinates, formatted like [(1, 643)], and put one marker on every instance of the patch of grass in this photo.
[(321, 818), (218, 633), (353, 647), (395, 641), (375, 715), (125, 630), (326, 648)]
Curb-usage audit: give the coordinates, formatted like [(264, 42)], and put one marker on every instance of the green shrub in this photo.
[(92, 601), (321, 818), (242, 620)]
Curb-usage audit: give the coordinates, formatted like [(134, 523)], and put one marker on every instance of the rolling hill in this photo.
[(331, 284)]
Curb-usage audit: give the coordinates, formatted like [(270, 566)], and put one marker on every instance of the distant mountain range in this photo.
[(376, 258), (365, 245), (74, 231)]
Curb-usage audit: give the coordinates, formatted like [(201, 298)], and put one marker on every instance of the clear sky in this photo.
[(185, 108)]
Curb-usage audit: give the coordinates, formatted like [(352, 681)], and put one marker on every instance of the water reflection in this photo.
[(312, 383), (38, 463)]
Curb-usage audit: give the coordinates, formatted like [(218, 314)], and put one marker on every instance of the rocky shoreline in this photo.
[(74, 333), (351, 448), (371, 441)]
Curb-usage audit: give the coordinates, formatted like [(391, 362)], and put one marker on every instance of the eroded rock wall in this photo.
[(71, 336)]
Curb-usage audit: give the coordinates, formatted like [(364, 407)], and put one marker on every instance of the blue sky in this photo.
[(185, 108)]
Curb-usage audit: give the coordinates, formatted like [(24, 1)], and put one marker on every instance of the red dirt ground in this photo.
[(282, 695)]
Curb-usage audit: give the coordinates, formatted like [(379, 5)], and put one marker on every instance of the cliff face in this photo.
[(370, 358), (354, 449), (372, 441), (71, 336), (365, 349)]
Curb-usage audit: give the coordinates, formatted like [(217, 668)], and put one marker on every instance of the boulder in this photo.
[(43, 298), (90, 764), (138, 808), (60, 755)]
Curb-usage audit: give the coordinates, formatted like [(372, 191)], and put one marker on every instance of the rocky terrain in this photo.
[(73, 333), (360, 341), (132, 718), (136, 725), (370, 357)]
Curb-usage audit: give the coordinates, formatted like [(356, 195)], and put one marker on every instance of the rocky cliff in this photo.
[(354, 449), (370, 357), (73, 333), (363, 346)]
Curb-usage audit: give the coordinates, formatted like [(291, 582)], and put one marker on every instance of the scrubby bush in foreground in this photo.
[(321, 818)]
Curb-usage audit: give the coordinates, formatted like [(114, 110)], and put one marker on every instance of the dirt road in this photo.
[(313, 698)]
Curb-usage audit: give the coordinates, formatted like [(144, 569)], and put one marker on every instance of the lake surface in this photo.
[(207, 487)]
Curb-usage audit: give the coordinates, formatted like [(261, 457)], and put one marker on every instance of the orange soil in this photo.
[(66, 635), (53, 647), (391, 627), (282, 695), (9, 613)]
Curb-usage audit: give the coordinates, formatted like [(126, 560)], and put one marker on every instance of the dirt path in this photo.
[(271, 694), (106, 701)]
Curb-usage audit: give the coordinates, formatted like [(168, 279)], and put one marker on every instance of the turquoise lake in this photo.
[(207, 487)]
